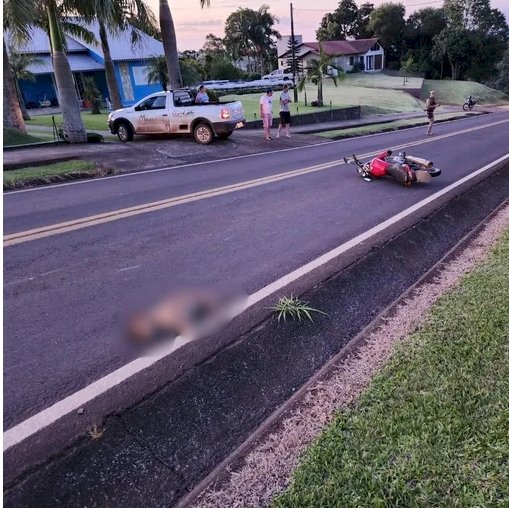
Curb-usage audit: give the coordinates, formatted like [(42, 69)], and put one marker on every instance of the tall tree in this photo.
[(340, 24), (250, 33), (387, 22), (18, 17), (13, 116), (67, 95), (20, 64), (363, 14), (113, 17), (291, 63), (319, 68), (170, 42), (473, 41), (422, 27)]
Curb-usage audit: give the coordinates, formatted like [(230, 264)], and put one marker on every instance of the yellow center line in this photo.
[(123, 213)]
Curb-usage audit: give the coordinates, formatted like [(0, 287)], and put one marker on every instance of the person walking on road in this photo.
[(266, 113), (431, 104), (284, 112)]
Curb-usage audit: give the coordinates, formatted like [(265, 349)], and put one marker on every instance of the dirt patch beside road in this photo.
[(152, 153)]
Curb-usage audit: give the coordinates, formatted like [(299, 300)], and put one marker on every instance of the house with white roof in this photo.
[(368, 54), (86, 59)]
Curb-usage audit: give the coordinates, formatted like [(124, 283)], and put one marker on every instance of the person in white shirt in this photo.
[(266, 113), (284, 112)]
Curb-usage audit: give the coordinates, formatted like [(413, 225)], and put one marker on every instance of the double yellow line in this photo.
[(124, 213)]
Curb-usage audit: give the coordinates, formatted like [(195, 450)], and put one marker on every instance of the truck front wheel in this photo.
[(125, 132), (203, 134)]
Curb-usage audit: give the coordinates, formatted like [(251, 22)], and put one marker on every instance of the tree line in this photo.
[(464, 39)]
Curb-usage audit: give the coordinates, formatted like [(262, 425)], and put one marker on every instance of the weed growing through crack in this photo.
[(293, 308), (96, 432)]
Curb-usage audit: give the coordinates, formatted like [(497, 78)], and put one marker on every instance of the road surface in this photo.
[(65, 288)]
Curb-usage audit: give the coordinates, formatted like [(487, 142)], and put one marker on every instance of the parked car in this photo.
[(176, 113), (279, 75)]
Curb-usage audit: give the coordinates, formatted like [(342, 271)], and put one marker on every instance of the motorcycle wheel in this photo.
[(466, 107), (434, 171)]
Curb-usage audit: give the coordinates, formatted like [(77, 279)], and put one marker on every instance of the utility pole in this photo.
[(294, 61)]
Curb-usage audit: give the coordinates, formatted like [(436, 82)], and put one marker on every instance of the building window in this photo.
[(369, 63), (376, 47), (351, 60)]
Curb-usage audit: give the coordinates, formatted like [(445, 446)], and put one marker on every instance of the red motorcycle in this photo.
[(405, 169)]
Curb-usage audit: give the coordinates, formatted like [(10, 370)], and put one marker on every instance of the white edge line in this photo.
[(50, 415), (217, 161)]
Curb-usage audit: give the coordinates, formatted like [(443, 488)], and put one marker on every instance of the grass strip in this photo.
[(13, 177), (13, 137), (388, 126), (91, 122), (433, 427)]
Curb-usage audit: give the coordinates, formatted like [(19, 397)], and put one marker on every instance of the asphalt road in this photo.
[(64, 294)]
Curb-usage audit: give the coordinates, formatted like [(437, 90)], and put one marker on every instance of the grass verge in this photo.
[(91, 122), (456, 92), (388, 126), (13, 137), (50, 173), (432, 428)]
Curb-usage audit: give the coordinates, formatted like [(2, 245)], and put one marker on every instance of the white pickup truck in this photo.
[(177, 113)]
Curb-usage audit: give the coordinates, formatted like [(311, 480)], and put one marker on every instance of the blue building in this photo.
[(87, 60)]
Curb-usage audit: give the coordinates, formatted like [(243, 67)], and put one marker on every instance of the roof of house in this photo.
[(336, 48), (121, 48), (77, 61), (39, 42)]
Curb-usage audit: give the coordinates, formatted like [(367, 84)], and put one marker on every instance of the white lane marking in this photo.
[(218, 161), (129, 268), (114, 215), (50, 415)]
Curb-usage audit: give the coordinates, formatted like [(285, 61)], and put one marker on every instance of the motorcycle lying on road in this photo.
[(405, 169), (469, 105)]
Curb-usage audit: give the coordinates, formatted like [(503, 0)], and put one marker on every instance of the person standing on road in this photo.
[(266, 113), (431, 104), (284, 112)]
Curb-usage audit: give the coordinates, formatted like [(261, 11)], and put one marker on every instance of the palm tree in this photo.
[(318, 68), (13, 116), (113, 16), (18, 15), (20, 63), (157, 71), (170, 42), (67, 95)]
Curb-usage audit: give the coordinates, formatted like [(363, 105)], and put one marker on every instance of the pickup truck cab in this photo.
[(177, 113), (279, 74)]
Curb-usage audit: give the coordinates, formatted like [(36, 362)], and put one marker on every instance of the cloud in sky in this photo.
[(193, 23)]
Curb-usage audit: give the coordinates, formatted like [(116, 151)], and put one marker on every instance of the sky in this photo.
[(192, 23)]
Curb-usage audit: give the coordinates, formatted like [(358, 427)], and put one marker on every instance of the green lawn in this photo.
[(345, 95), (432, 428), (15, 176), (381, 80), (387, 126), (91, 122), (12, 137), (456, 92)]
